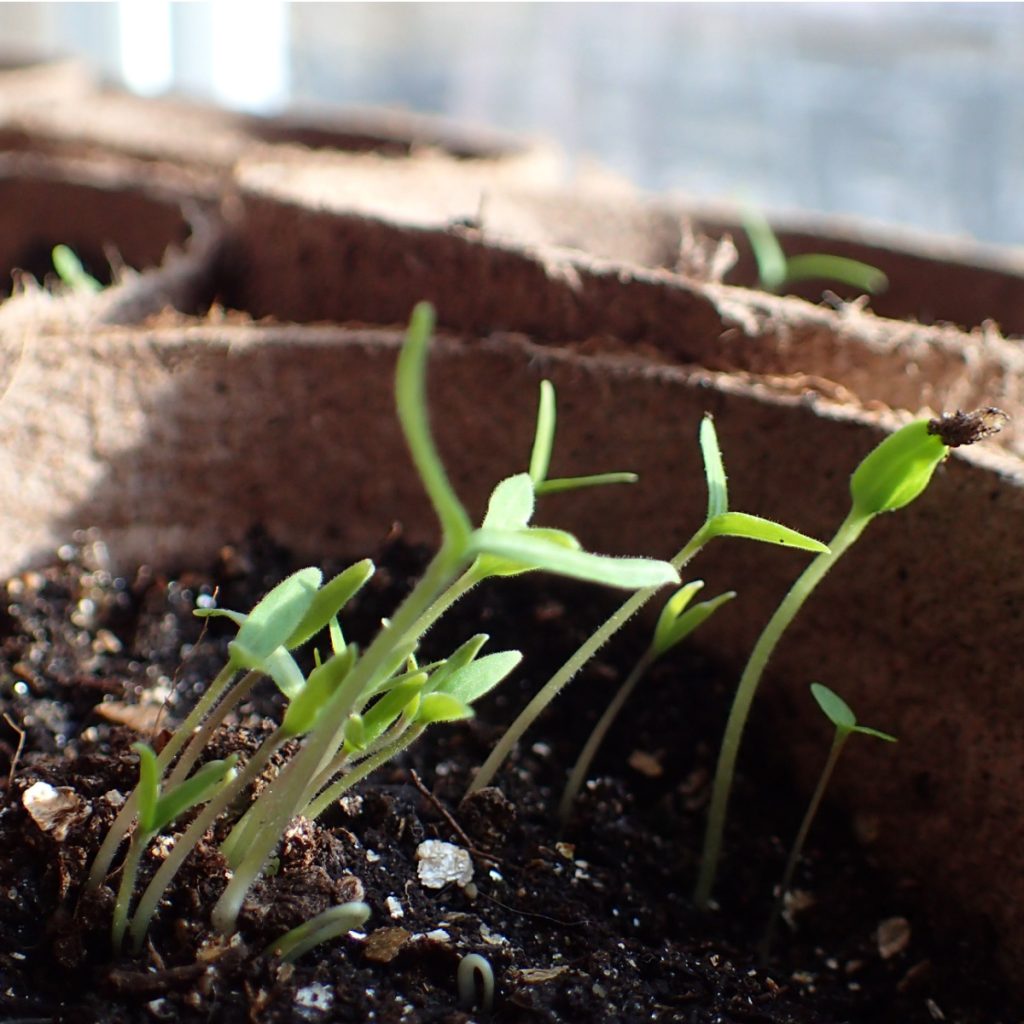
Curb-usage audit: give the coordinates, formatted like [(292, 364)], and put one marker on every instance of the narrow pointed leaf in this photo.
[(386, 710), (472, 681), (306, 706), (283, 669), (740, 524), (274, 619), (867, 731), (540, 552), (576, 483), (328, 925), (195, 790), (337, 636), (714, 469), (690, 620), (329, 600), (674, 607), (220, 613), (411, 400), (771, 260), (442, 707), (836, 709), (490, 565), (355, 732), (461, 657), (544, 436), (148, 789), (824, 266)]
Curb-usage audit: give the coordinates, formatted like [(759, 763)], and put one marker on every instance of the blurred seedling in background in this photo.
[(776, 270), (839, 714), (891, 476), (355, 709), (71, 272), (719, 522)]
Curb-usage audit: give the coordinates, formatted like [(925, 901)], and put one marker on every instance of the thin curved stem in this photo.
[(582, 655), (848, 532), (596, 738)]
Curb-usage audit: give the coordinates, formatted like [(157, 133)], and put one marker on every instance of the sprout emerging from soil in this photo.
[(839, 714), (356, 709), (890, 477), (719, 522), (331, 924), (775, 269), (473, 968)]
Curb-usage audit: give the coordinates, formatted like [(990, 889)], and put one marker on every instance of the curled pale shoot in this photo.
[(475, 972)]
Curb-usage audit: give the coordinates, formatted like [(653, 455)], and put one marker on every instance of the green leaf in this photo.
[(488, 565), (306, 706), (688, 621), (674, 607), (337, 636), (274, 619), (220, 613), (330, 924), (459, 658), (287, 676), (195, 790), (355, 732), (740, 524), (442, 707), (576, 483), (329, 600), (411, 399), (544, 436), (386, 710), (771, 260), (813, 266), (841, 715), (837, 711), (472, 681), (71, 272), (714, 469), (148, 789), (511, 503), (898, 470), (532, 550)]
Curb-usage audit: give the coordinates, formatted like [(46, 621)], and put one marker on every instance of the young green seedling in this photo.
[(71, 272), (675, 624), (839, 714), (775, 270), (158, 808), (331, 924), (719, 522), (890, 477), (356, 708)]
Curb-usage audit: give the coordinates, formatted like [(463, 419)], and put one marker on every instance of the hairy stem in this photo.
[(847, 533)]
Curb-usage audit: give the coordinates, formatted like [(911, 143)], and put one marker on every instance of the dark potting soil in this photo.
[(593, 925)]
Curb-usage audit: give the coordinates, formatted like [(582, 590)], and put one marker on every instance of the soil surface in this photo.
[(592, 925)]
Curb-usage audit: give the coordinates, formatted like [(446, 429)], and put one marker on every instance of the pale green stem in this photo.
[(596, 738), (202, 736), (285, 798), (317, 807), (123, 822), (585, 652), (847, 533), (187, 842), (129, 872), (838, 742)]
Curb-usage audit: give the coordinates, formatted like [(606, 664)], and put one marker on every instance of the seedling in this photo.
[(775, 269), (719, 522), (71, 272), (473, 968), (675, 624), (839, 714), (355, 709), (331, 924), (890, 477)]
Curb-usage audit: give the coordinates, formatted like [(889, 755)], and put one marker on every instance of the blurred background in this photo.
[(909, 114)]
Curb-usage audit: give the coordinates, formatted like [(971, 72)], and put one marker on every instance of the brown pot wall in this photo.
[(173, 436)]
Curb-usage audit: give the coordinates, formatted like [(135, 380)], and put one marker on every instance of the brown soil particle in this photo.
[(595, 925)]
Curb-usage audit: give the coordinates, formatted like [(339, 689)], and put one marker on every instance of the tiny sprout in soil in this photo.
[(839, 714)]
